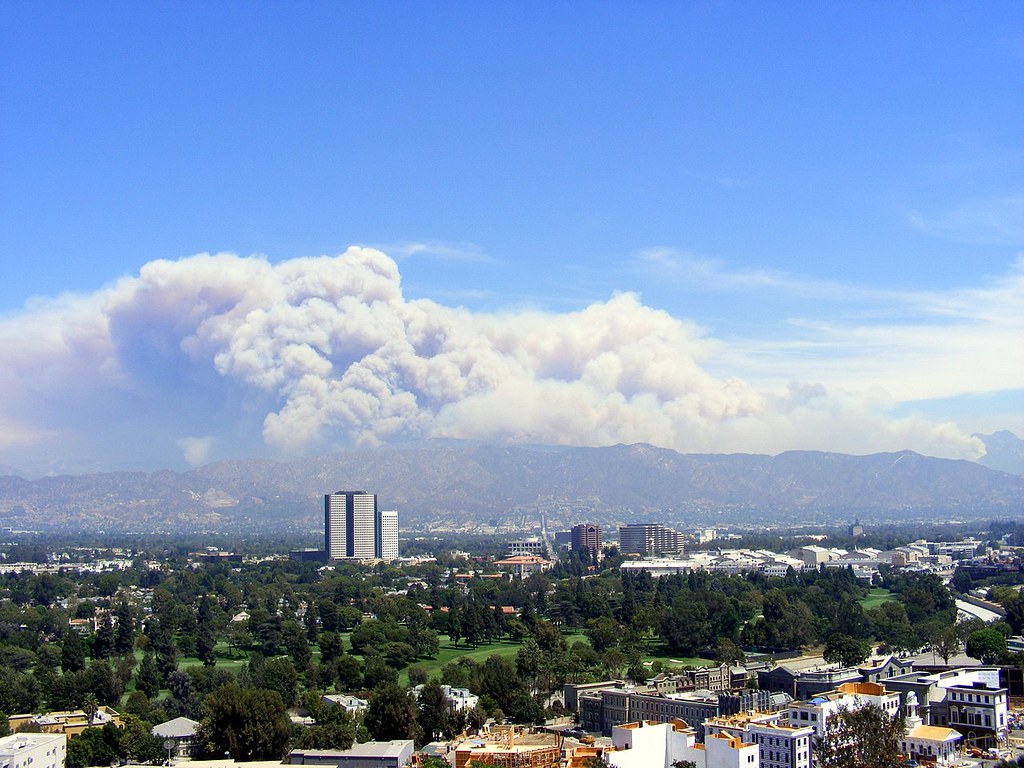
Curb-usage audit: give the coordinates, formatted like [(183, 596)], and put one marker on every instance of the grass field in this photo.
[(676, 661), (449, 653), (876, 597), (234, 661)]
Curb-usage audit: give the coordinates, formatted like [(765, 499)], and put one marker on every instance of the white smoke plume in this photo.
[(325, 352)]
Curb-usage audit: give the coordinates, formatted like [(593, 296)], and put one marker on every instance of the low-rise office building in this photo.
[(661, 745), (33, 750), (779, 744), (972, 700), (371, 754), (849, 696)]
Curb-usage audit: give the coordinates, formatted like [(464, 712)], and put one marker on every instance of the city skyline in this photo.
[(717, 230)]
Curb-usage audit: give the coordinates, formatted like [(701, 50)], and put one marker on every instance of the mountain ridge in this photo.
[(466, 482)]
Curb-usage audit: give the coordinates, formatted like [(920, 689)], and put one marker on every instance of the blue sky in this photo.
[(818, 195)]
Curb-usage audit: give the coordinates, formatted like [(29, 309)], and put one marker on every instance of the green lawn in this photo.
[(662, 654), (231, 660), (479, 654), (876, 597), (448, 653)]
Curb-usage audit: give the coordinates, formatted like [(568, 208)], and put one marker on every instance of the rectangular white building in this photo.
[(848, 696), (33, 750), (355, 528), (659, 745), (779, 744), (389, 535)]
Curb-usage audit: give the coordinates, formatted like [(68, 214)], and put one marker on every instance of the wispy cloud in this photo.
[(998, 221), (709, 274), (435, 249), (915, 345)]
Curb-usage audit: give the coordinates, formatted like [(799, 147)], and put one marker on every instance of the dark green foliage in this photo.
[(846, 651), (333, 727), (19, 691), (124, 631), (433, 712), (296, 643), (331, 646), (603, 633), (72, 654), (103, 681), (103, 641), (139, 745), (390, 713), (377, 672), (986, 645), (860, 738), (349, 673), (249, 724), (95, 746), (147, 678), (523, 708), (277, 674)]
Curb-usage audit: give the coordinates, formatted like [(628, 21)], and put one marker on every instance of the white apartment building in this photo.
[(933, 744), (529, 546), (969, 699), (33, 750), (659, 745), (779, 745), (459, 699), (389, 535), (848, 696)]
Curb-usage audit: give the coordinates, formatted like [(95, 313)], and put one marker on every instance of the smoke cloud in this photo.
[(319, 353)]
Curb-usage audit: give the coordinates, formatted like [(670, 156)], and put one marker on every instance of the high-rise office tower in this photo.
[(586, 536), (648, 539), (352, 525), (389, 535)]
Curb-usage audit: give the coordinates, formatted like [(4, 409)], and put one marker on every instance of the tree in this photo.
[(124, 631), (349, 672), (72, 655), (103, 642), (250, 724), (523, 708), (206, 642), (139, 745), (147, 678), (333, 727), (987, 645), (845, 650), (728, 652), (860, 738), (433, 711), (945, 643), (603, 633), (95, 746), (685, 628), (390, 713)]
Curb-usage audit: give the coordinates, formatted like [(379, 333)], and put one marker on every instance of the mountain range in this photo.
[(448, 483)]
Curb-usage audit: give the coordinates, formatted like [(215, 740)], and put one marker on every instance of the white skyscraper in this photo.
[(355, 528), (389, 535)]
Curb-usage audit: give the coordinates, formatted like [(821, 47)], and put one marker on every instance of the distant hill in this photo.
[(1004, 451), (453, 482)]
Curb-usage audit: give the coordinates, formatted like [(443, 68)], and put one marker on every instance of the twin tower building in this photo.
[(355, 528)]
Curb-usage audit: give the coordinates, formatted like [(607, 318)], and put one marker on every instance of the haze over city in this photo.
[(280, 230)]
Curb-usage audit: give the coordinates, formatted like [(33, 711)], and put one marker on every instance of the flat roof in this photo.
[(368, 749)]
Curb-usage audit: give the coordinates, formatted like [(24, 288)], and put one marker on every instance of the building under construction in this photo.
[(508, 748)]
